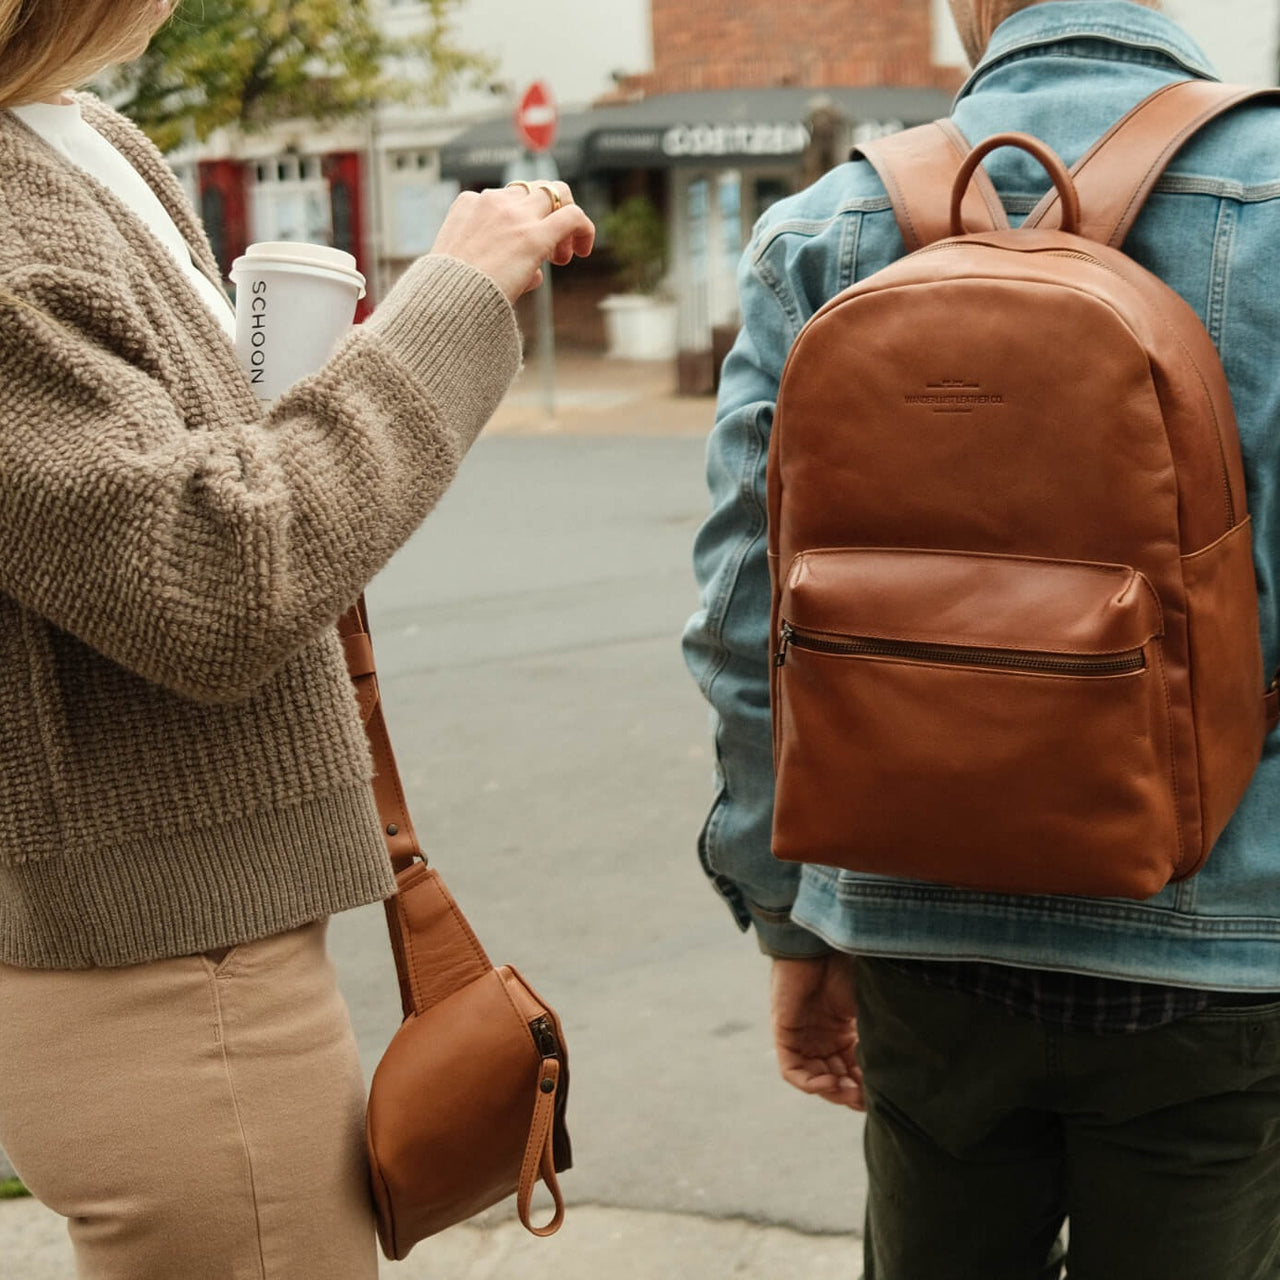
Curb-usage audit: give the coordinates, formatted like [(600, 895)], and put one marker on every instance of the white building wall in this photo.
[(1240, 36), (574, 47)]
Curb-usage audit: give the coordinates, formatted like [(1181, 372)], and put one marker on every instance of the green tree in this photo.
[(254, 63)]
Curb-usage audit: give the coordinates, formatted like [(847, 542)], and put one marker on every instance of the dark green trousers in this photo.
[(986, 1131)]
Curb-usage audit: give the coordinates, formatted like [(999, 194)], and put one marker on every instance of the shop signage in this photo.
[(698, 140)]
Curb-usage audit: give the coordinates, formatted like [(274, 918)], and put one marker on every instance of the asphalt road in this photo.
[(556, 758)]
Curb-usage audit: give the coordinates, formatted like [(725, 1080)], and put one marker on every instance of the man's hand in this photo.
[(815, 1028)]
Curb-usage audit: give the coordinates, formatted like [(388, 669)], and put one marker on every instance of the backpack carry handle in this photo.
[(1053, 166)]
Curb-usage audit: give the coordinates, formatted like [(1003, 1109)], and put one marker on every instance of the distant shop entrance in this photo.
[(712, 163)]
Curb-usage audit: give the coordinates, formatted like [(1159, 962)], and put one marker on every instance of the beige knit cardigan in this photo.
[(181, 762)]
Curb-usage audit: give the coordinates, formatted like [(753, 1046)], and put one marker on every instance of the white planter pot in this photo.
[(638, 327)]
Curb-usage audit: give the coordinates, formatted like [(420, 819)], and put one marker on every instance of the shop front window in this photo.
[(768, 191), (417, 202), (290, 200), (729, 203)]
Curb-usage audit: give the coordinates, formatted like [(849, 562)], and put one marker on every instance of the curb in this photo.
[(596, 1243)]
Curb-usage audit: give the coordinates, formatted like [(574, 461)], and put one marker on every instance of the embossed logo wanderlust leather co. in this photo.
[(954, 395)]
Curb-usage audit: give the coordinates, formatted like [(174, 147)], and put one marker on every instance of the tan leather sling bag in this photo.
[(467, 1105), (1014, 605)]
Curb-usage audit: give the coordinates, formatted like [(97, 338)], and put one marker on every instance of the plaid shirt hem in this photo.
[(1073, 1001)]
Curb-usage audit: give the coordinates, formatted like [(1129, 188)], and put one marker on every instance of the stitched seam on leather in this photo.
[(1173, 769), (389, 1219), (901, 209), (1093, 566), (908, 636), (1118, 235), (476, 949), (520, 1018), (411, 953), (1096, 569), (393, 774), (532, 1161), (986, 189), (539, 1097), (1052, 198), (534, 1153)]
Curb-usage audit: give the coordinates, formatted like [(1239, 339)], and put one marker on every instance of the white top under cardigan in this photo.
[(63, 128)]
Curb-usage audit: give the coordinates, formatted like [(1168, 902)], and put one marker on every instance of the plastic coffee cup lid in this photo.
[(291, 253)]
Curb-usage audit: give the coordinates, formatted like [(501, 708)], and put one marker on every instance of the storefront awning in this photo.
[(726, 128)]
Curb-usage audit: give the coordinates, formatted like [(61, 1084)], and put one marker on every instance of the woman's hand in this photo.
[(509, 232)]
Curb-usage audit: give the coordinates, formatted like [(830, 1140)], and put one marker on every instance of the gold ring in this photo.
[(520, 182), (556, 202)]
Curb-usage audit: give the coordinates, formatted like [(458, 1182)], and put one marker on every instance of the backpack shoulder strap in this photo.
[(1116, 175), (918, 168)]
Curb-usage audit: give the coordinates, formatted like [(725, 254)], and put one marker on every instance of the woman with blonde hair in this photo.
[(184, 783)]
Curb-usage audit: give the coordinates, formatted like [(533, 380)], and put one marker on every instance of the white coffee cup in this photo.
[(293, 303)]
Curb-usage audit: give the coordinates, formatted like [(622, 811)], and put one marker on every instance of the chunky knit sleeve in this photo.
[(147, 510)]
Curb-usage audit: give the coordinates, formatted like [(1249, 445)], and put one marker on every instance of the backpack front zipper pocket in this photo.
[(990, 722), (1049, 664)]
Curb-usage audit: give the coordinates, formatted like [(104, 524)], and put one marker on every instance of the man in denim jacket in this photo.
[(1025, 1059)]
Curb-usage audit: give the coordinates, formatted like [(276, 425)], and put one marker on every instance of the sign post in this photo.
[(536, 122)]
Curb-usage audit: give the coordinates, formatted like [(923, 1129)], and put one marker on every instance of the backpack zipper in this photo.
[(1061, 664)]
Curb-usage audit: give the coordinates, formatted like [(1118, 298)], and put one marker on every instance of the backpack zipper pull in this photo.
[(781, 656), (544, 1037)]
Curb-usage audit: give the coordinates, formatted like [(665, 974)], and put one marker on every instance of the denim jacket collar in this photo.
[(1118, 22)]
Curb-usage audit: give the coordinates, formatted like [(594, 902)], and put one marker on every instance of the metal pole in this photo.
[(531, 167), (547, 343), (373, 185)]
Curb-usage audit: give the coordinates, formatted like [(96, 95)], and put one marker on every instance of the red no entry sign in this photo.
[(537, 118)]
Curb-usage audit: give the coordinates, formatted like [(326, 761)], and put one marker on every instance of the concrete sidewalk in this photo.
[(595, 395), (594, 1244)]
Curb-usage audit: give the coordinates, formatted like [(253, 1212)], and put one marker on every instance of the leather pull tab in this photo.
[(538, 1157)]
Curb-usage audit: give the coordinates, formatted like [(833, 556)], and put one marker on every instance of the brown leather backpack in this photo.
[(1014, 600)]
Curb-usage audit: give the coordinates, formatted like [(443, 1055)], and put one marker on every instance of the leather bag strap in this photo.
[(1117, 174), (438, 953), (539, 1154), (388, 793), (918, 168)]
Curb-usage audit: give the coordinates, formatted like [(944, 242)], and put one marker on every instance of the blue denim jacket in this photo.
[(1064, 71)]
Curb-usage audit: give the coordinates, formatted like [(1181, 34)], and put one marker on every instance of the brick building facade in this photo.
[(736, 44)]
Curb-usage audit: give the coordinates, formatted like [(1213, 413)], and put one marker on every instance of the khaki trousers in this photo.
[(193, 1120)]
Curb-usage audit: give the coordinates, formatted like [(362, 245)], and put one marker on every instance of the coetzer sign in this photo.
[(695, 140)]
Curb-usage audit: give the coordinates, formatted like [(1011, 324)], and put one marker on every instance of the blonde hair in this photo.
[(47, 46)]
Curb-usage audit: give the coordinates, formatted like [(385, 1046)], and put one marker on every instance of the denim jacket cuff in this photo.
[(783, 940)]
